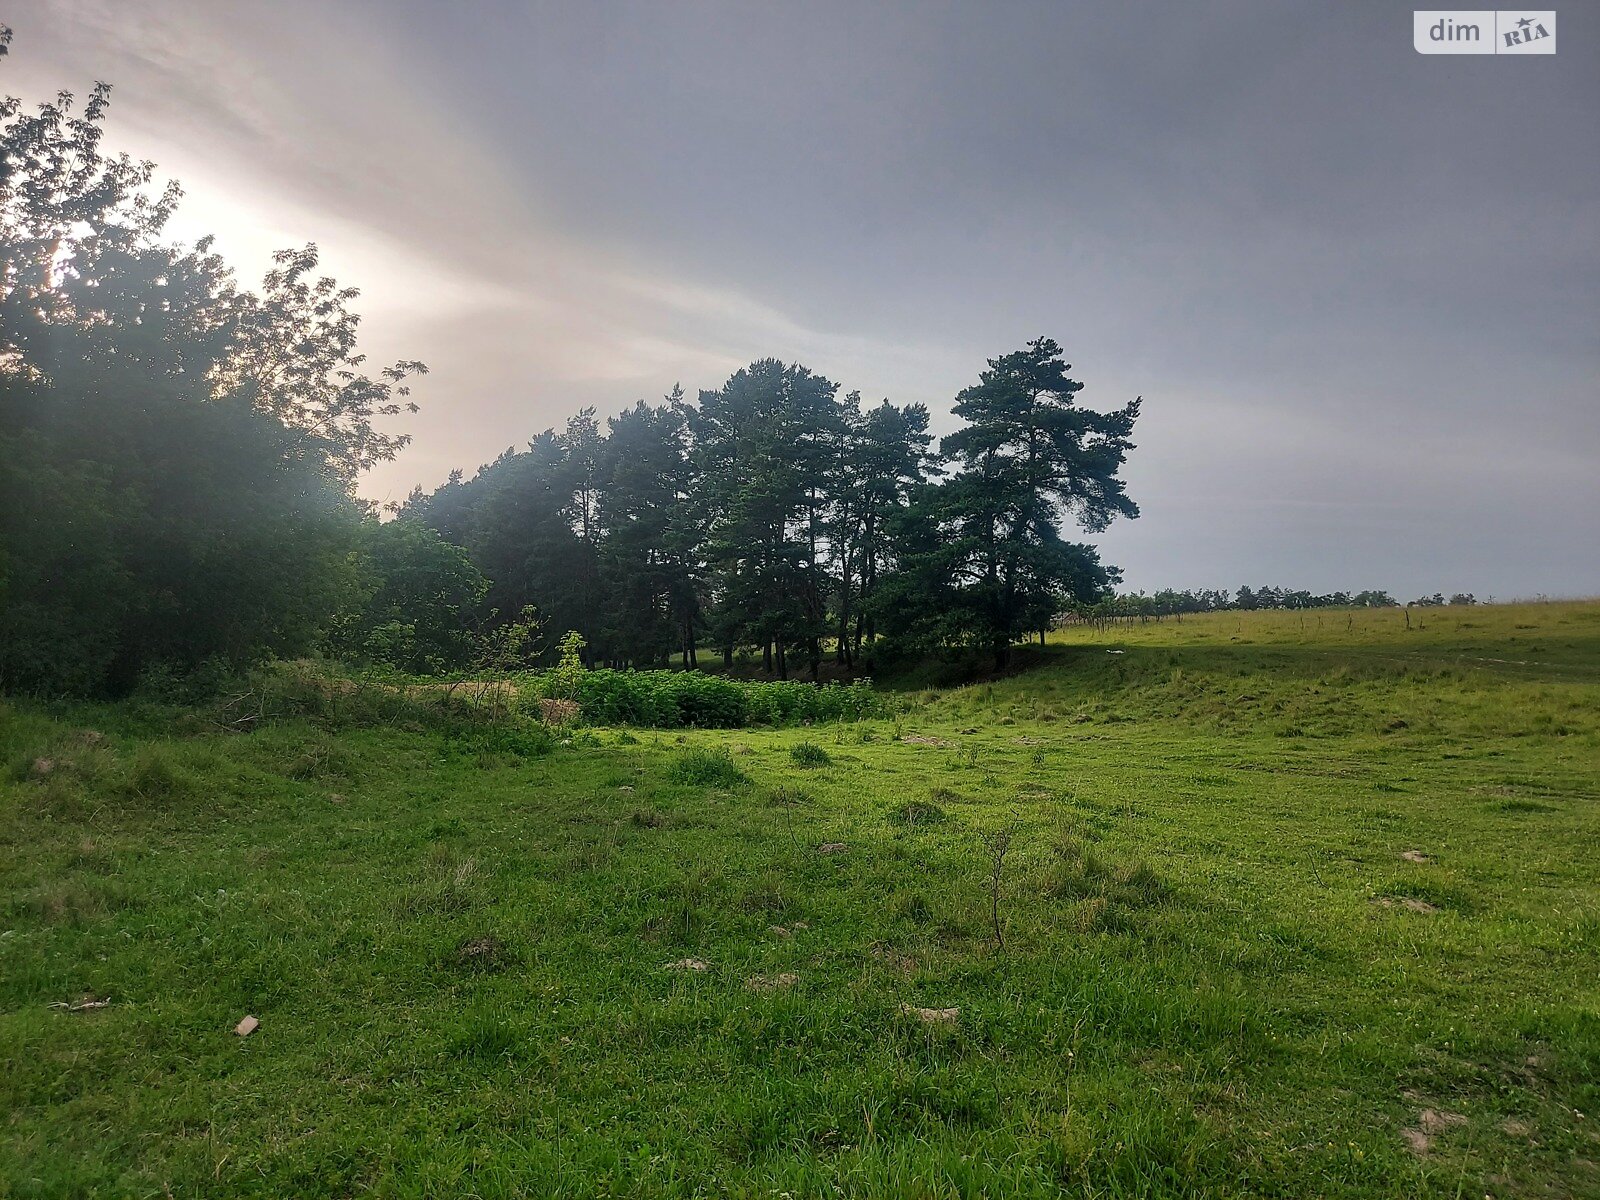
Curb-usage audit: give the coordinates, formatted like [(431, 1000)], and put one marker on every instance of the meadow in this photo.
[(1251, 904)]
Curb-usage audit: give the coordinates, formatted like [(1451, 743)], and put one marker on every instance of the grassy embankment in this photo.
[(1221, 973)]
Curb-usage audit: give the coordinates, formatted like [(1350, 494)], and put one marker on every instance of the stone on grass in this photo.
[(931, 1016)]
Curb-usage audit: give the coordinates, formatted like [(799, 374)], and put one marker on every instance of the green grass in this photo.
[(1220, 977)]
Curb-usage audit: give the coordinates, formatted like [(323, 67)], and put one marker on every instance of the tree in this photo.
[(418, 601), (296, 358), (175, 485), (1028, 458), (883, 458), (516, 518), (761, 449), (650, 564)]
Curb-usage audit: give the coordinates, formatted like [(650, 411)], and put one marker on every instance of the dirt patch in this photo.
[(832, 848), (1407, 903), (917, 739), (768, 984), (689, 964), (1416, 1141), (1433, 1120), (1415, 856), (1516, 1128)]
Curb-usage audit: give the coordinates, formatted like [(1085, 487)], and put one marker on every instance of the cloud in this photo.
[(1355, 284)]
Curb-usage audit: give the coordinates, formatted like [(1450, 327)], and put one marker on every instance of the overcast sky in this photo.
[(1358, 287)]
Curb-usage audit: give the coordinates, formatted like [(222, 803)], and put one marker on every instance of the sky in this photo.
[(1357, 287)]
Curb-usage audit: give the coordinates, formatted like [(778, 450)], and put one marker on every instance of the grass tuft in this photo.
[(809, 754), (701, 766)]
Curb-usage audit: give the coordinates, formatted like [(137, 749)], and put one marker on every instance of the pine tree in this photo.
[(1029, 458)]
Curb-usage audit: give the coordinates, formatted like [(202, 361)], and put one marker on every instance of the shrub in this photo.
[(809, 754), (337, 700), (564, 681), (703, 767), (674, 699)]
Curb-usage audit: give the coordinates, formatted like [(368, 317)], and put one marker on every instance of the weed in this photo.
[(155, 776), (809, 754), (917, 812), (699, 766)]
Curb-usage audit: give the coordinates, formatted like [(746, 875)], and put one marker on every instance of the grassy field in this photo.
[(1245, 905)]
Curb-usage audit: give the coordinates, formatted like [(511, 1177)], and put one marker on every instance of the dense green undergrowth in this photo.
[(643, 699), (1105, 929), (669, 699)]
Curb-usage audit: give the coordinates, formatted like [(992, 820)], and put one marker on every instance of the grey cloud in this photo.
[(1358, 286)]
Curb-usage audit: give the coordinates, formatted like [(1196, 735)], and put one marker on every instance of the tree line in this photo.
[(1169, 602), (179, 457), (774, 516)]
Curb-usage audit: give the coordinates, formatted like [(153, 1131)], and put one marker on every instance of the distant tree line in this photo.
[(1437, 600), (1169, 602), (178, 460)]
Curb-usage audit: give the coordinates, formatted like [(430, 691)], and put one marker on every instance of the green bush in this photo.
[(672, 699), (809, 754), (706, 768)]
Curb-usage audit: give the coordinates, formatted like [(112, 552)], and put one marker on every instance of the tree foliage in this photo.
[(773, 515), (177, 456)]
